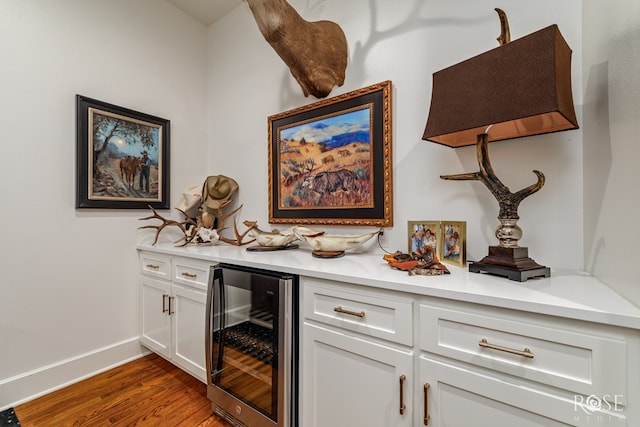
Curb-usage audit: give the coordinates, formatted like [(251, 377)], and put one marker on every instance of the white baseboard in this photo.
[(29, 385)]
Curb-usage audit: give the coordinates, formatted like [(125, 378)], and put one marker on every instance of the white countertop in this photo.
[(566, 294)]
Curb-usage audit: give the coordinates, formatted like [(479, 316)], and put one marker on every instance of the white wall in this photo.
[(405, 42), (611, 86), (69, 294)]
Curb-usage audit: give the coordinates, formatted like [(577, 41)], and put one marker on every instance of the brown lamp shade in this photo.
[(521, 88)]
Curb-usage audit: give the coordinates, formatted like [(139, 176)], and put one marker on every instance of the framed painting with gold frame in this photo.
[(330, 161)]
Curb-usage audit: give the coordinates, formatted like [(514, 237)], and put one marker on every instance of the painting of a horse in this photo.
[(129, 167)]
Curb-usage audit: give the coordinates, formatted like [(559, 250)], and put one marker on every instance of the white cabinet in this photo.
[(461, 363), (187, 330), (507, 367), (172, 309), (351, 377), (455, 395), (154, 318), (556, 351)]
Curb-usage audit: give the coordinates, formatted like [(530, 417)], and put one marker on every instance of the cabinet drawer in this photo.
[(377, 314), (191, 272), (155, 265), (569, 356)]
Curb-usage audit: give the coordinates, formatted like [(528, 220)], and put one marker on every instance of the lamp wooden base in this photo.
[(513, 263)]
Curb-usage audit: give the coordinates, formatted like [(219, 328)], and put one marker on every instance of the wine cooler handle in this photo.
[(222, 316), (215, 292), (208, 327)]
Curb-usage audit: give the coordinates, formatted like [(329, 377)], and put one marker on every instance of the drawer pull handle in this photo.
[(425, 420), (403, 407), (153, 266), (170, 311), (189, 275), (164, 304), (524, 353), (339, 309)]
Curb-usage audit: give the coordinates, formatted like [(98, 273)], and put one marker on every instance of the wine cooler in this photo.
[(252, 345)]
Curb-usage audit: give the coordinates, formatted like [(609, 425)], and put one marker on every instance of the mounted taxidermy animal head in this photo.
[(315, 52)]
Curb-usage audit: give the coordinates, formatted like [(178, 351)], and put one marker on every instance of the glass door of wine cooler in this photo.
[(246, 344)]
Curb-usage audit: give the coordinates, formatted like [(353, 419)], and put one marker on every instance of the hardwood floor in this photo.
[(146, 392)]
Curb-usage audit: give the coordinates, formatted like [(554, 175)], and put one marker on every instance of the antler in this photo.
[(505, 33), (168, 222), (190, 235), (507, 200), (239, 236)]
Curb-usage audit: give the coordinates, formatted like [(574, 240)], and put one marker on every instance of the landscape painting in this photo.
[(326, 163), (122, 161), (330, 161)]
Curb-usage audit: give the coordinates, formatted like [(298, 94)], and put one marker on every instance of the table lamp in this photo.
[(521, 88)]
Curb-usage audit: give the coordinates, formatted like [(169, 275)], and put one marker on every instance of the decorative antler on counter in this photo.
[(239, 236), (190, 233), (169, 222)]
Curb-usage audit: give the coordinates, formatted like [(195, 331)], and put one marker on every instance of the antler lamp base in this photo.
[(513, 263)]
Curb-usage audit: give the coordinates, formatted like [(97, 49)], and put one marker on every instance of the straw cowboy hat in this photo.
[(216, 190), (190, 203)]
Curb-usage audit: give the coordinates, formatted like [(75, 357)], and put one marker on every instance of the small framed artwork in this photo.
[(424, 233), (330, 162), (122, 157), (453, 243)]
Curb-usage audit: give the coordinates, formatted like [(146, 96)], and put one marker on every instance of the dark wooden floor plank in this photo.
[(146, 392)]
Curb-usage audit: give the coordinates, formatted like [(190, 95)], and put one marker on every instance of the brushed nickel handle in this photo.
[(164, 304), (170, 300), (403, 407), (426, 404), (152, 266), (339, 309), (189, 275), (524, 353)]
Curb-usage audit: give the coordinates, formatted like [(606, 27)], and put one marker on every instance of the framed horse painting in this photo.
[(122, 157)]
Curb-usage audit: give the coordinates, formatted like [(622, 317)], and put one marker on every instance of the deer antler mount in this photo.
[(315, 52)]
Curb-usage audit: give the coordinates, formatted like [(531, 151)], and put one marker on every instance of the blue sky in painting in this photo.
[(134, 148), (327, 129)]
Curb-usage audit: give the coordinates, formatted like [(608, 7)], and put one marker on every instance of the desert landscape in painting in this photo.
[(319, 175)]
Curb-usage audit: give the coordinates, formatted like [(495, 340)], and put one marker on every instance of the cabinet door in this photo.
[(188, 317), (462, 397), (349, 381), (154, 319)]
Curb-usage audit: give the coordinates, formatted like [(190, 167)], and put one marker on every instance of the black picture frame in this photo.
[(343, 177), (110, 141)]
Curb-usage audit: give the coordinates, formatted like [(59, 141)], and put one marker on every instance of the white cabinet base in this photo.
[(458, 396), (349, 381), (155, 324), (188, 335), (172, 310)]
